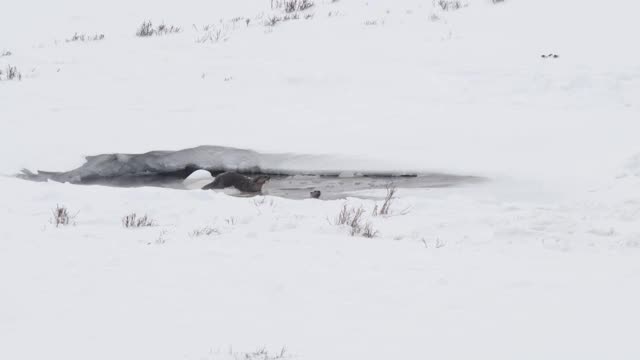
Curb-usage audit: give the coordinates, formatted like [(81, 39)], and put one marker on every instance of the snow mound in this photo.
[(198, 179)]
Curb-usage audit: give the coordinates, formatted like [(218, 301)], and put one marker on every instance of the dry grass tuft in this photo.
[(134, 221), (60, 216)]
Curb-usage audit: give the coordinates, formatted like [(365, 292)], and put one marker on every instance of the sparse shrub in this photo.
[(290, 6), (204, 231), (134, 221), (240, 19), (162, 238), (371, 22), (355, 223), (497, 1), (260, 354), (261, 202), (213, 34), (60, 216), (85, 37), (13, 73), (146, 29), (272, 20), (449, 5), (305, 4), (368, 231), (167, 29), (5, 53), (344, 216), (352, 218), (436, 243), (389, 199), (385, 209), (10, 73), (297, 5)]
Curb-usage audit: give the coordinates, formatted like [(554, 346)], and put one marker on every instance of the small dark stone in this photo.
[(315, 194)]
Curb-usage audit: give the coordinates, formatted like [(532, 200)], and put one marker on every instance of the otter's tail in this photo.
[(27, 174)]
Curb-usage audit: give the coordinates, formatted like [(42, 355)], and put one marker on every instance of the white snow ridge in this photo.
[(477, 162)]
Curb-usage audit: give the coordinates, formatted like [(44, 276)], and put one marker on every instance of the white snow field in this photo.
[(541, 261)]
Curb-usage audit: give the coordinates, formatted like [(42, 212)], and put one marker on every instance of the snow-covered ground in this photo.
[(539, 262)]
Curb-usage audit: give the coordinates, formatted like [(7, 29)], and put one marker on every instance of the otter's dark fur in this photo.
[(238, 181)]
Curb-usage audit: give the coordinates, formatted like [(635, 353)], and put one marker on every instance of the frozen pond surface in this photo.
[(341, 186), (335, 187), (292, 176)]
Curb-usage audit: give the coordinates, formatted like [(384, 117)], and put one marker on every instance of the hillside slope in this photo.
[(539, 262)]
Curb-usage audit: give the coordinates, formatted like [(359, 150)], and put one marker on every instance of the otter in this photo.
[(238, 181), (315, 194)]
